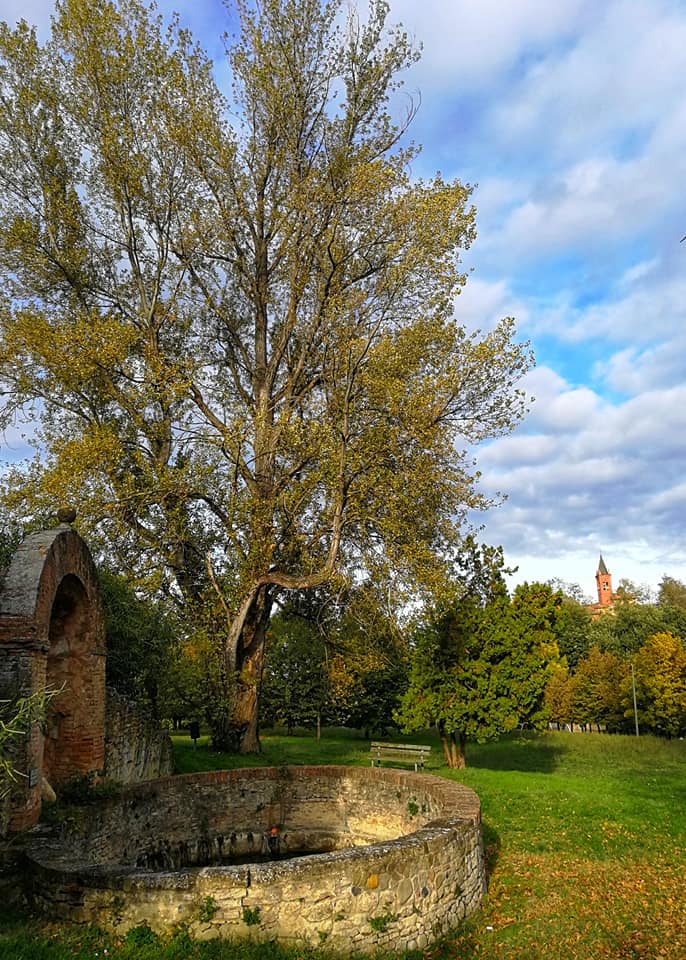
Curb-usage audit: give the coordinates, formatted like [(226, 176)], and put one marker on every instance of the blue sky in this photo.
[(571, 118)]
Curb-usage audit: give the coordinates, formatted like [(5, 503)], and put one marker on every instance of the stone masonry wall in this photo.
[(419, 872), (136, 747)]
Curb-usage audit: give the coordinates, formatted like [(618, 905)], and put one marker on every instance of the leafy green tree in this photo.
[(139, 637), (188, 687), (673, 619), (369, 666), (295, 685), (480, 670), (597, 695), (533, 611), (671, 593), (559, 694), (572, 630), (477, 571), (266, 384), (626, 627), (660, 679), (337, 659)]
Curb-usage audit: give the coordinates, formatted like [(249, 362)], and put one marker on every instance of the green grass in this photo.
[(336, 746), (586, 845)]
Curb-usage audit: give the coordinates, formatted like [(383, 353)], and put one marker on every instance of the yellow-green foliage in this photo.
[(660, 679), (239, 339), (16, 718)]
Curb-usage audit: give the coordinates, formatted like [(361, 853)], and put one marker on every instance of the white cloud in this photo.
[(564, 411), (613, 483), (635, 370), (669, 499), (481, 304), (616, 76), (14, 446), (595, 126), (468, 44), (522, 448), (596, 201), (642, 312)]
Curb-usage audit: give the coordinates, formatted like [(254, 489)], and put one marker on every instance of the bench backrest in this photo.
[(398, 750)]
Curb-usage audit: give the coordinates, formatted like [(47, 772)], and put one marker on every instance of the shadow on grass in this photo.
[(491, 839), (524, 751), (277, 749)]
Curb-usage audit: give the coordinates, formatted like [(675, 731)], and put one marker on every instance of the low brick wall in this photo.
[(404, 860)]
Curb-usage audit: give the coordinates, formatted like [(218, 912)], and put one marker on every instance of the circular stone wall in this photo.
[(384, 857)]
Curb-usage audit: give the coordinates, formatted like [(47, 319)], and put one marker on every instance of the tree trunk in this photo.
[(453, 748), (249, 666), (444, 743), (237, 730), (457, 754)]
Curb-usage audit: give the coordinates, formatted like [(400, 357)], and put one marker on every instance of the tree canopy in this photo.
[(597, 690), (660, 680), (672, 593), (295, 687), (572, 630), (140, 641), (481, 664), (233, 313)]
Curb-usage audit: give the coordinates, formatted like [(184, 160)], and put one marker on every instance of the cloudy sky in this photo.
[(571, 118)]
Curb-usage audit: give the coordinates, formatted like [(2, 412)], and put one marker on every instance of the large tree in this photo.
[(368, 663), (572, 630), (480, 668), (671, 593), (660, 685), (597, 690), (141, 641), (234, 316), (295, 684)]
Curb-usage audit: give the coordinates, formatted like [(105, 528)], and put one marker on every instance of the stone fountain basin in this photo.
[(366, 857)]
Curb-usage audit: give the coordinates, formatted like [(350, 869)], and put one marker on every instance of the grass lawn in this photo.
[(585, 838)]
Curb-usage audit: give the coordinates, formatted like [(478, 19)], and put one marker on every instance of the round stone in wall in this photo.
[(66, 514)]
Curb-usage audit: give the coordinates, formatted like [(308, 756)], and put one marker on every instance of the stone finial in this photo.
[(66, 515)]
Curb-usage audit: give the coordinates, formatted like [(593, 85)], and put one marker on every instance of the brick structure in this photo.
[(606, 598), (52, 635), (603, 579)]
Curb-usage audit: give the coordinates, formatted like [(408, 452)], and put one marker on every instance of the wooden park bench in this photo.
[(400, 752)]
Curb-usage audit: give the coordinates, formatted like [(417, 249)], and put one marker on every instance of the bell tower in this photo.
[(603, 579)]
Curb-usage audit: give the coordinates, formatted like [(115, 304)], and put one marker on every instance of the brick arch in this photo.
[(52, 634)]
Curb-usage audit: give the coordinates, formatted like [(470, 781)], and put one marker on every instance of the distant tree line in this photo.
[(638, 647), (477, 663)]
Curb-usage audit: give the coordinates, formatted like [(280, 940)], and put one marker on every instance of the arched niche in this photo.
[(52, 635)]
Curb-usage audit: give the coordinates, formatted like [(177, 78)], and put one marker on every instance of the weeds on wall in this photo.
[(207, 910), (381, 923), (251, 916)]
